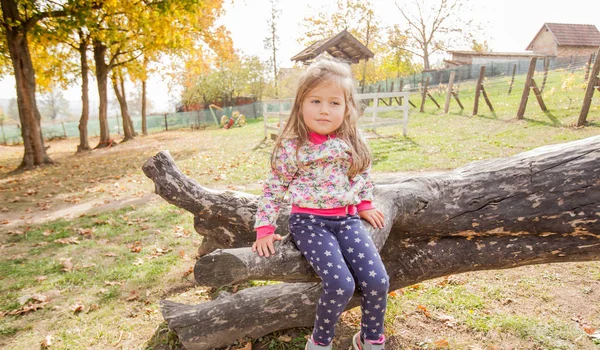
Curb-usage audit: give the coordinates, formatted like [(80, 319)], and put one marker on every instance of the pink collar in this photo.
[(318, 139)]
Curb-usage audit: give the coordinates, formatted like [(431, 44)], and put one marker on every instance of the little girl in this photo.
[(323, 162)]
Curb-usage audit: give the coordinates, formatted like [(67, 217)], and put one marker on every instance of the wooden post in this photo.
[(455, 94), (265, 111), (424, 95), (449, 91), (538, 96), (512, 80), (593, 83), (166, 124), (478, 90), (486, 98), (375, 105), (526, 89), (587, 68), (280, 116), (546, 67), (391, 90)]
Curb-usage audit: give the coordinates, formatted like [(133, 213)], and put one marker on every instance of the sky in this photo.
[(509, 26)]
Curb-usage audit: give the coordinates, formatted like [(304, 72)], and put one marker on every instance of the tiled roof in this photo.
[(571, 34), (343, 45)]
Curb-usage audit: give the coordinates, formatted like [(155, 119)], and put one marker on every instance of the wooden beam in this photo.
[(485, 97), (424, 95), (526, 89), (589, 91), (512, 80), (478, 90), (449, 91), (538, 96)]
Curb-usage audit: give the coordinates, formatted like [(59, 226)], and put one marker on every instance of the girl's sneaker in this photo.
[(358, 344), (310, 345)]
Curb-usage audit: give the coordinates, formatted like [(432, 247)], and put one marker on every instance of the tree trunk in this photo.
[(127, 128), (532, 208), (124, 96), (102, 70), (84, 144), (29, 115), (144, 125)]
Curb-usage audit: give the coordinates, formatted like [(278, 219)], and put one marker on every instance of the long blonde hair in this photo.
[(325, 71)]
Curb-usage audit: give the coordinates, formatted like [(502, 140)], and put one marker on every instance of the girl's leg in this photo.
[(371, 278), (319, 246)]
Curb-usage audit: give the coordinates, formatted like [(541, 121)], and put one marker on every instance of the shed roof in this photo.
[(342, 45), (570, 34)]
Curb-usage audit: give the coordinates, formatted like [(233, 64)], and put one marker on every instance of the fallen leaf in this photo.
[(66, 264), (285, 338), (442, 343), (133, 295), (77, 307), (47, 342), (85, 231), (68, 240), (138, 262), (136, 247), (189, 271), (41, 278), (424, 310), (248, 346), (4, 222), (111, 283), (110, 254), (589, 330)]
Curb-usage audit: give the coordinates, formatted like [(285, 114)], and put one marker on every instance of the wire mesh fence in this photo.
[(10, 134)]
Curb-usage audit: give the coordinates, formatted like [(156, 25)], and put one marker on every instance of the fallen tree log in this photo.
[(536, 207)]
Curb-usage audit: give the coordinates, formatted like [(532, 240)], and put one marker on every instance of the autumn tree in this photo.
[(435, 25), (19, 19), (396, 61), (359, 18), (272, 42)]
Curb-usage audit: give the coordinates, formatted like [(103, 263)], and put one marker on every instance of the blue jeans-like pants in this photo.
[(343, 255)]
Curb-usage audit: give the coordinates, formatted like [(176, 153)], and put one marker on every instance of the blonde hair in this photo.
[(326, 71)]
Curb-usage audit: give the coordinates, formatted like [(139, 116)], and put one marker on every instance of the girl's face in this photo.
[(324, 107)]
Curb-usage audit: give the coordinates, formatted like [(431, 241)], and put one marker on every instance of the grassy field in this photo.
[(87, 251)]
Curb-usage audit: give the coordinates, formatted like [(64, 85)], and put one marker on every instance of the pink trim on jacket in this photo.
[(266, 230)]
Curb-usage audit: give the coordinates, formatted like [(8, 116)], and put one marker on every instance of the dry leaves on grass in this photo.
[(77, 307), (424, 310), (135, 247), (66, 264), (68, 240), (30, 303)]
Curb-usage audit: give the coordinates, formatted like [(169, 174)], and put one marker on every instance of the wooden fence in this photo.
[(375, 103)]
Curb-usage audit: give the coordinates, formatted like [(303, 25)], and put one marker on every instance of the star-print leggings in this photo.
[(341, 252)]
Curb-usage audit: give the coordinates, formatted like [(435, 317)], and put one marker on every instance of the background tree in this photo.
[(19, 19), (53, 104), (435, 24), (480, 46), (397, 60), (272, 42), (359, 18)]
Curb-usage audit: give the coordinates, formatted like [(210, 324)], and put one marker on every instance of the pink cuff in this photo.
[(365, 205), (263, 231)]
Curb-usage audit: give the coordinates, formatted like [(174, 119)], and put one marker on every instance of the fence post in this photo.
[(265, 111), (512, 80), (64, 129), (424, 95), (546, 67), (166, 124), (526, 89), (478, 89), (449, 91), (593, 83)]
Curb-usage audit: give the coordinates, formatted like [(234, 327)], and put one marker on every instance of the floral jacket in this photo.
[(316, 179)]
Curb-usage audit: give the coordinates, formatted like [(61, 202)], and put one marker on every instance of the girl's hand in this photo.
[(373, 216), (265, 245)]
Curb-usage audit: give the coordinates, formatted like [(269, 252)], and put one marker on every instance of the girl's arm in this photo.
[(275, 188), (366, 192)]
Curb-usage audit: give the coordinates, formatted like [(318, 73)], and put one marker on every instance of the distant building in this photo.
[(460, 58), (561, 39), (552, 40)]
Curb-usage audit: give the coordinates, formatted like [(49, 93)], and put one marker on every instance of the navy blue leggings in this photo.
[(341, 252)]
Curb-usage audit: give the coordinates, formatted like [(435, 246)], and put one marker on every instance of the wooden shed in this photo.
[(343, 46)]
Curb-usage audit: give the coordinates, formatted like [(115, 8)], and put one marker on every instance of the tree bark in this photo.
[(127, 125), (84, 144), (144, 124), (102, 70), (532, 208), (16, 30)]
